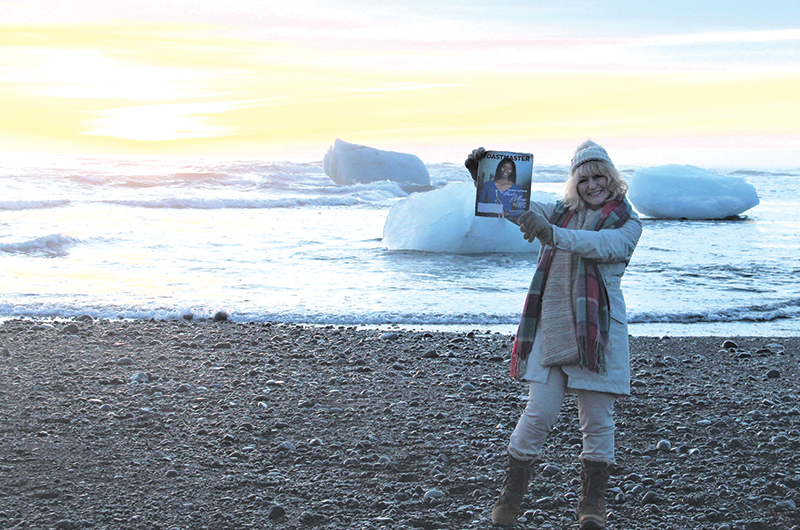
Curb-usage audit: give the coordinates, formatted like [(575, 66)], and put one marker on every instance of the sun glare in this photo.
[(150, 123)]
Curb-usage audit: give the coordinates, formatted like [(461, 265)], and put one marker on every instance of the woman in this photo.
[(504, 190), (573, 334)]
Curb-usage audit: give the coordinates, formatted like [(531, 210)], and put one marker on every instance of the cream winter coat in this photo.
[(611, 249)]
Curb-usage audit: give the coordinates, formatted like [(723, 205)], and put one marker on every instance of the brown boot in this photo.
[(515, 486), (592, 504)]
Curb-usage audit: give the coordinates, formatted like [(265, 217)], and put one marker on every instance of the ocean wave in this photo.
[(785, 309), (53, 245), (56, 311), (379, 318), (764, 173), (470, 321), (556, 173), (33, 205), (71, 310), (221, 204), (150, 181)]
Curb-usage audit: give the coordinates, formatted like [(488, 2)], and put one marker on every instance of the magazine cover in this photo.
[(504, 184)]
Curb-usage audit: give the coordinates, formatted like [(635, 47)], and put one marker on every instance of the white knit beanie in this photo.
[(588, 151)]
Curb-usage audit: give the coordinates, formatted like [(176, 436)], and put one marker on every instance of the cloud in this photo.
[(87, 74), (721, 37), (398, 87)]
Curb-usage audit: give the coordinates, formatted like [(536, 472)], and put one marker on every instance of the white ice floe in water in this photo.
[(688, 192), (347, 163), (444, 220)]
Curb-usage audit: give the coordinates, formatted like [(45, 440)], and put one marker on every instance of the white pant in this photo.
[(595, 411)]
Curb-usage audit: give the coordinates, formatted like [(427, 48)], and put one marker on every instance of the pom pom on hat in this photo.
[(587, 151)]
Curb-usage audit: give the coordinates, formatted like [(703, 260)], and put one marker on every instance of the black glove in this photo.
[(471, 163)]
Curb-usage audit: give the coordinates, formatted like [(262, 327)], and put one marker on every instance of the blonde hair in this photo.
[(616, 186)]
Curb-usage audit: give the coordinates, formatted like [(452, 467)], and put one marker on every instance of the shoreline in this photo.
[(774, 328), (203, 424)]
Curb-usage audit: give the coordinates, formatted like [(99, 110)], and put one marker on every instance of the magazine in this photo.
[(504, 184)]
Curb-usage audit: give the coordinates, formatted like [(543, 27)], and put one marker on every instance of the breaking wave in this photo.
[(53, 245)]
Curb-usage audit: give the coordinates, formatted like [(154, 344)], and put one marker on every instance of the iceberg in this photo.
[(444, 221), (347, 163), (688, 192)]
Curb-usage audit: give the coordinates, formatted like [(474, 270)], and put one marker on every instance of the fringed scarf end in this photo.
[(592, 358), (519, 360)]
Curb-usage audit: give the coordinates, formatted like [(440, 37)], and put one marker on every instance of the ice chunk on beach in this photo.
[(444, 220), (688, 192), (347, 163)]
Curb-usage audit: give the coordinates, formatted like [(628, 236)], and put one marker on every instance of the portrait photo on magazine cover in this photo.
[(504, 184)]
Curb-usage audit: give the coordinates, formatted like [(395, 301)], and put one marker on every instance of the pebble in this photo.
[(141, 378), (650, 498), (276, 512), (390, 336), (125, 361), (71, 329), (550, 470), (773, 374), (434, 494), (287, 446), (220, 316), (5, 352), (311, 518), (729, 344), (664, 446)]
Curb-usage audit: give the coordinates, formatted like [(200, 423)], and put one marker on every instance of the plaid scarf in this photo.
[(591, 307)]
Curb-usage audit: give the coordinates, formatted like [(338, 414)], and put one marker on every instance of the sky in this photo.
[(707, 82)]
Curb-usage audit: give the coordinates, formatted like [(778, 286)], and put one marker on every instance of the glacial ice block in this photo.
[(444, 220), (688, 192), (347, 163)]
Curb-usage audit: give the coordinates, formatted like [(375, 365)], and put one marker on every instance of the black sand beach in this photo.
[(220, 425)]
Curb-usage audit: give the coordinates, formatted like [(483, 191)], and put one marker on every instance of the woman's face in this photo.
[(592, 189), (505, 171)]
